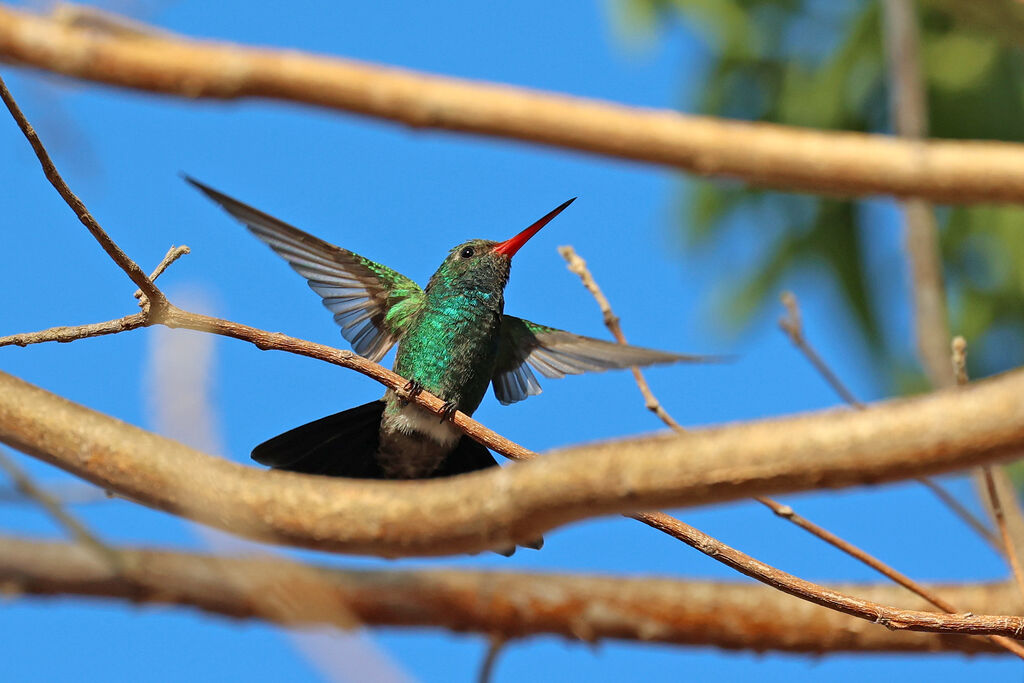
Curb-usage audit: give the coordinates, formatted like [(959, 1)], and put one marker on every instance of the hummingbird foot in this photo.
[(449, 410), (412, 389)]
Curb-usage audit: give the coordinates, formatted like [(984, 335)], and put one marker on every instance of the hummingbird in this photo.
[(454, 339)]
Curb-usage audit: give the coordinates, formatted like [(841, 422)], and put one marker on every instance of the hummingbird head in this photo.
[(478, 263)]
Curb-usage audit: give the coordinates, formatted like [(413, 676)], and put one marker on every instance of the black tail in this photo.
[(345, 445), (339, 445)]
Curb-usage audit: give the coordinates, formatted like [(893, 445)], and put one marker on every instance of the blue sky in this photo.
[(404, 197)]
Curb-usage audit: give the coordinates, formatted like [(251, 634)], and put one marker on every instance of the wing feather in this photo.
[(556, 353), (370, 302)]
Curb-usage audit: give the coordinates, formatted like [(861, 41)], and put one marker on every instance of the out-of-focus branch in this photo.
[(995, 502), (765, 154), (794, 328), (79, 531), (909, 115), (885, 442), (588, 608), (910, 119), (792, 325)]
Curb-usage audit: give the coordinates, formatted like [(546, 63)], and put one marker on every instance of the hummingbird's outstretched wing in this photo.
[(371, 303), (557, 353)]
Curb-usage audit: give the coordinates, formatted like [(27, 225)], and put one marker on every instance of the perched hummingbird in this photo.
[(453, 340)]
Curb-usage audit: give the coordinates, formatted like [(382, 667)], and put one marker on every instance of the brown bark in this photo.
[(798, 159), (885, 442), (506, 604)]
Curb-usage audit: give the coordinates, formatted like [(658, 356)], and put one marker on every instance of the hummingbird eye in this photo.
[(467, 252)]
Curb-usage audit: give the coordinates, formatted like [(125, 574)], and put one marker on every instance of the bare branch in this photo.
[(792, 325), (24, 483), (1008, 547), (764, 154), (66, 334), (577, 265), (885, 442), (891, 618), (495, 645), (909, 114), (794, 328), (725, 615), (119, 257), (172, 255)]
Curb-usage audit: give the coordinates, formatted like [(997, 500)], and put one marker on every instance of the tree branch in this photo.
[(56, 510), (113, 251), (792, 325), (764, 154), (885, 442), (588, 608), (794, 328)]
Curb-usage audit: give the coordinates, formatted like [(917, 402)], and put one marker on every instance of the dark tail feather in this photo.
[(345, 445), (339, 445)]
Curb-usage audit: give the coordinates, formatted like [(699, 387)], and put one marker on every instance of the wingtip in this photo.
[(205, 189)]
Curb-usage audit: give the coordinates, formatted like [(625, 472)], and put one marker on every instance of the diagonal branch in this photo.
[(792, 325), (26, 486), (119, 257), (783, 157)]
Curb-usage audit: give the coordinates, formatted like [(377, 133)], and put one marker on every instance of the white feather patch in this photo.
[(412, 419)]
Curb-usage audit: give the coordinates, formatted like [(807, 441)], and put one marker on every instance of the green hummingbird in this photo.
[(453, 340)]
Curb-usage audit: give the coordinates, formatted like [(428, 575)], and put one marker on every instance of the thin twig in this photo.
[(130, 267), (961, 511), (69, 493), (909, 116), (134, 321), (577, 265), (787, 583), (23, 483), (793, 326), (65, 334), (495, 645), (959, 348), (172, 255)]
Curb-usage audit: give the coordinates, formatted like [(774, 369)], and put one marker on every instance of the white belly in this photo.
[(413, 419)]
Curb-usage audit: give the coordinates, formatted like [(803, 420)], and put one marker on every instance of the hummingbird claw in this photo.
[(449, 410), (412, 389)]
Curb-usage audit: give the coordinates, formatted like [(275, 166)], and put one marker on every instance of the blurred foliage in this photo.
[(822, 65)]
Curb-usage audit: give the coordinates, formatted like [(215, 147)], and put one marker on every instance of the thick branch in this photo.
[(726, 615), (885, 442), (764, 154)]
